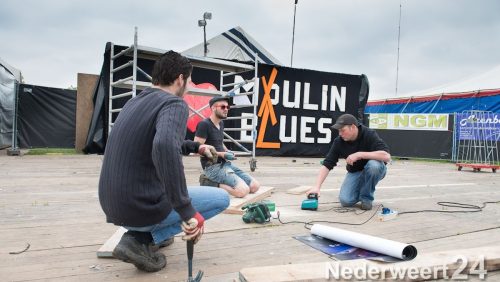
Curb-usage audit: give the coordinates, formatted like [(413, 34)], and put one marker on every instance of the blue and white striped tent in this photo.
[(480, 92), (234, 44)]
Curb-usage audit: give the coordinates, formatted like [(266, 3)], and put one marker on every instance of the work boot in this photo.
[(205, 181), (163, 244), (366, 206), (141, 255)]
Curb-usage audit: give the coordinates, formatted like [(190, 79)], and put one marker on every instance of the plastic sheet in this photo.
[(375, 244)]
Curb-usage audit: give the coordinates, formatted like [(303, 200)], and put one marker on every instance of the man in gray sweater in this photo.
[(142, 186)]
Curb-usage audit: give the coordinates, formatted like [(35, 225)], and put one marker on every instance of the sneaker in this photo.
[(205, 181), (141, 255), (366, 206), (163, 244)]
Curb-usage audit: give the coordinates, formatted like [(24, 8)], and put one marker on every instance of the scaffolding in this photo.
[(123, 87)]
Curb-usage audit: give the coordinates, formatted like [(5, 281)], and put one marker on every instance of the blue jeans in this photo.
[(209, 201), (226, 173), (360, 186)]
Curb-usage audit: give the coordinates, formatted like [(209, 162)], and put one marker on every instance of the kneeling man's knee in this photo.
[(373, 167), (346, 202), (254, 186), (240, 193)]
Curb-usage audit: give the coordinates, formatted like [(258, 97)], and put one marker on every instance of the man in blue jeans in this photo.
[(142, 186), (366, 155), (222, 174)]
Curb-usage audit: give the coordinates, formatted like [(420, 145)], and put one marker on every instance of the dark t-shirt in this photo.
[(214, 136), (367, 141)]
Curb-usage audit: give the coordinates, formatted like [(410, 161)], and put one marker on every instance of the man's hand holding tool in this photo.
[(193, 228), (229, 156), (209, 152)]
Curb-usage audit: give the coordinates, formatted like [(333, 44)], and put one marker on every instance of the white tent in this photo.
[(234, 44), (484, 81), (9, 77)]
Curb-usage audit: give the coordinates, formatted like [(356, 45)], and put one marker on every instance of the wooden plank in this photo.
[(424, 267), (220, 225), (298, 190), (86, 84), (237, 203), (106, 250)]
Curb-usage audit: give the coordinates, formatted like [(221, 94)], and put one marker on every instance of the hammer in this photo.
[(190, 250)]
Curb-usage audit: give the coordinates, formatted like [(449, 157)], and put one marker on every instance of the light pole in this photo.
[(203, 23), (293, 33)]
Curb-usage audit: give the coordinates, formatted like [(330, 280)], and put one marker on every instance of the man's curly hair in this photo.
[(168, 68)]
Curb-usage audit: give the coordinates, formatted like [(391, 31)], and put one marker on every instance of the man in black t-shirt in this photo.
[(366, 156), (223, 173)]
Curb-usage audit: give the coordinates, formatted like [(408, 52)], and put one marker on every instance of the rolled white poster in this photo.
[(375, 244)]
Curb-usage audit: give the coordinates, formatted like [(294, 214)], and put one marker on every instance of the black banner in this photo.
[(297, 107), (46, 117)]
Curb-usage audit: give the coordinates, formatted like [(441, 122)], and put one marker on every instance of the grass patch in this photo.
[(52, 151), (422, 160)]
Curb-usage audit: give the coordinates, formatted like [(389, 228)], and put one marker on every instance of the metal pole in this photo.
[(399, 37), (293, 33), (204, 41), (255, 102), (111, 80), (134, 67), (454, 138), (14, 150)]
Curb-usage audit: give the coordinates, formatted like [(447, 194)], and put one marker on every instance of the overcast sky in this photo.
[(442, 41)]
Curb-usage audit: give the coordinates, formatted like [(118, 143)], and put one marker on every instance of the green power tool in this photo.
[(256, 212), (311, 203)]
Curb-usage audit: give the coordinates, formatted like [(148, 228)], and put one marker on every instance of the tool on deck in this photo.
[(190, 250), (256, 212), (387, 214), (270, 205), (311, 203)]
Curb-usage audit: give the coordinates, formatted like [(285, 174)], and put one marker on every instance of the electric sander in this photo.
[(311, 203)]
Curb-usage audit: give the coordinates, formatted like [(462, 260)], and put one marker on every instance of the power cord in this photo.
[(468, 208), (308, 224)]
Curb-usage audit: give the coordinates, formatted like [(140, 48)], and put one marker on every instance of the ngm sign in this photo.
[(437, 122)]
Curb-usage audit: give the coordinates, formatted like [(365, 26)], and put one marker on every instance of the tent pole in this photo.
[(14, 150)]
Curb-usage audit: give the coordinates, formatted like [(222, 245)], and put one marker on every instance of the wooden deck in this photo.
[(51, 203)]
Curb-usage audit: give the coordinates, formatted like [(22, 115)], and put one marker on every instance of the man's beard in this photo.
[(181, 91), (220, 116)]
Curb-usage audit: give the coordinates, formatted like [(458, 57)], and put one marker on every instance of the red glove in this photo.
[(193, 228), (209, 152)]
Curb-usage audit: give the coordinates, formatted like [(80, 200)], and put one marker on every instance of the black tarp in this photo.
[(96, 137), (429, 144), (46, 117), (324, 88)]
